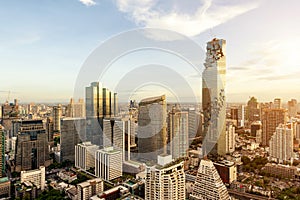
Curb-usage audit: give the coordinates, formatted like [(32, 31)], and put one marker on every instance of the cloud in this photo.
[(189, 21), (88, 2)]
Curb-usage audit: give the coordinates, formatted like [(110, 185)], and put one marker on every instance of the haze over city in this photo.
[(44, 44)]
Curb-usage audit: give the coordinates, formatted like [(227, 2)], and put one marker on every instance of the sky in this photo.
[(44, 44)]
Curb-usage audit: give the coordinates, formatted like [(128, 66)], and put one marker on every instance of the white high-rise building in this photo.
[(208, 184), (178, 133), (85, 155), (230, 138), (37, 177), (281, 144), (108, 163), (213, 97), (165, 182)]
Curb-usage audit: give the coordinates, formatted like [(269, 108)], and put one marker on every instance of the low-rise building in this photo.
[(283, 171), (36, 177), (227, 171), (26, 190), (68, 176), (4, 188), (89, 188)]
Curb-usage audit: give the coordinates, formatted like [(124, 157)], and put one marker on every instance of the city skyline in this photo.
[(47, 57)]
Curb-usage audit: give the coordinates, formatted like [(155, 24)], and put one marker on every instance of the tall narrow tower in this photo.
[(100, 103), (213, 98)]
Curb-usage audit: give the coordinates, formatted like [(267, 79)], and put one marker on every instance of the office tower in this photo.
[(76, 109), (165, 182), (100, 103), (227, 171), (178, 133), (72, 132), (281, 144), (292, 108), (2, 151), (85, 155), (57, 113), (195, 120), (152, 128), (254, 127), (252, 110), (108, 163), (32, 146), (230, 138), (277, 103), (256, 131), (213, 97), (234, 113), (89, 188), (119, 133), (297, 131), (49, 129), (271, 118), (37, 177), (241, 115), (208, 184)]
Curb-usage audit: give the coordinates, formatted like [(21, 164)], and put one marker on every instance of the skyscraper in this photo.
[(292, 108), (208, 184), (195, 120), (50, 129), (72, 131), (165, 182), (213, 97), (32, 146), (100, 103), (252, 110), (76, 109), (152, 128), (277, 103), (2, 151), (271, 118), (281, 144), (57, 113), (178, 133), (118, 132)]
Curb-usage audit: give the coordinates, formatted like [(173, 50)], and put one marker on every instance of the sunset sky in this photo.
[(43, 44)]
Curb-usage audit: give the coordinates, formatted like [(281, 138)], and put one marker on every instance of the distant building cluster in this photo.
[(98, 148)]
